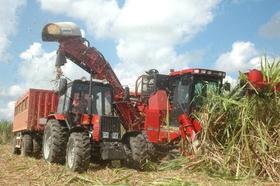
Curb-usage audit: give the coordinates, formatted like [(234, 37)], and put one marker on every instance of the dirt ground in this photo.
[(17, 170)]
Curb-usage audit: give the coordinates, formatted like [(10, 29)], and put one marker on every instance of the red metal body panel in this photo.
[(181, 72), (56, 116), (96, 128), (159, 101), (35, 104)]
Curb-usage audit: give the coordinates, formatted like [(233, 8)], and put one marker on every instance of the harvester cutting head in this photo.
[(60, 30)]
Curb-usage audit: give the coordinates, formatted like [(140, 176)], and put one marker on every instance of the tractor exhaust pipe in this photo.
[(60, 30)]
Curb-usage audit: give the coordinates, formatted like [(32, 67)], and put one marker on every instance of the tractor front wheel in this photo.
[(78, 152)]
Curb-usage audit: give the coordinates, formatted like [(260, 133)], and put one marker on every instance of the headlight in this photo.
[(196, 71), (105, 134), (115, 135)]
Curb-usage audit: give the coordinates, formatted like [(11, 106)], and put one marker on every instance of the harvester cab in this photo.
[(173, 99), (189, 87)]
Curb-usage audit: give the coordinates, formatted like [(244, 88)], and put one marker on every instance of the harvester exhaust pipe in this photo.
[(60, 30)]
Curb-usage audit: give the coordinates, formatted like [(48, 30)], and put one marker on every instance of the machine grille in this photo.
[(110, 127)]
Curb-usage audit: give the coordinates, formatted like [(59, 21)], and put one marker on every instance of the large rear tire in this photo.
[(55, 141), (26, 145), (78, 152), (37, 146)]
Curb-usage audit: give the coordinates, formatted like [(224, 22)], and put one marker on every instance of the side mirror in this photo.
[(60, 59), (227, 86), (62, 87)]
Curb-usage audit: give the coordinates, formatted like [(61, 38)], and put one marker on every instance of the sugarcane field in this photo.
[(130, 92)]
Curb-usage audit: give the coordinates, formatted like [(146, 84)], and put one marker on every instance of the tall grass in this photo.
[(5, 131), (241, 135)]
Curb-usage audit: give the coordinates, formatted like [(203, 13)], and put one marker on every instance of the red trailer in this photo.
[(30, 110)]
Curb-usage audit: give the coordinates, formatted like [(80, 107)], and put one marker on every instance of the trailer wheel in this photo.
[(78, 152), (26, 146), (37, 146), (54, 142), (139, 147), (15, 150)]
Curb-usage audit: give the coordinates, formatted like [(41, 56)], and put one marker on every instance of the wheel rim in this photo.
[(47, 146), (70, 155)]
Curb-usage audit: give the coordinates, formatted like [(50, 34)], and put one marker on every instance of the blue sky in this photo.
[(226, 35)]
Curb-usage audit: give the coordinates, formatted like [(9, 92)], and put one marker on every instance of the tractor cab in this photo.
[(89, 104), (189, 87), (75, 98)]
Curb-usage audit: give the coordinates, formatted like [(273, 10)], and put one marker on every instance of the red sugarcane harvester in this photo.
[(157, 114)]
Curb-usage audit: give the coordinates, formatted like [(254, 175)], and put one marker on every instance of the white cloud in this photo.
[(272, 28), (8, 14), (242, 57), (35, 50), (146, 31), (8, 111), (37, 69)]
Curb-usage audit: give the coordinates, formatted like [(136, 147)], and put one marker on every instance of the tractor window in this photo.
[(102, 100), (108, 100), (98, 102), (67, 99)]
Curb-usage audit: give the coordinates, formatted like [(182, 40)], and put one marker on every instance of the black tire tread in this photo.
[(140, 151), (59, 134), (82, 144), (27, 145), (37, 146)]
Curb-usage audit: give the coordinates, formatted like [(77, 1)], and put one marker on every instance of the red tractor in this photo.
[(157, 114)]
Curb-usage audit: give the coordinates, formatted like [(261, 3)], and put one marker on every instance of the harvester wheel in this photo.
[(26, 145), (78, 152), (55, 141), (15, 150), (139, 147), (37, 146)]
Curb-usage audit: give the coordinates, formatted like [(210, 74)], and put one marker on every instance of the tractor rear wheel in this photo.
[(78, 152), (26, 145), (37, 146), (55, 141)]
